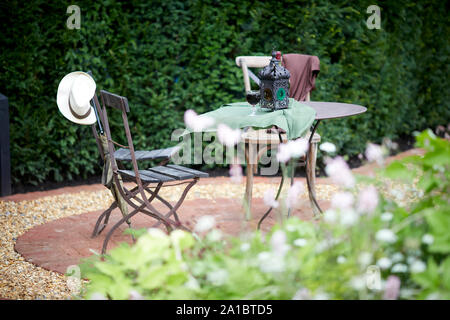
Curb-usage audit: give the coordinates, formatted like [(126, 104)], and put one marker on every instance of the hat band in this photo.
[(76, 115)]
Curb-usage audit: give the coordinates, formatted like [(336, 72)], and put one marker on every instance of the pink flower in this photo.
[(294, 192), (390, 145), (205, 223), (302, 294), (342, 200), (328, 147), (135, 295), (292, 149), (195, 122), (368, 199), (278, 243), (228, 136), (440, 129), (338, 170), (236, 173), (392, 288), (374, 153), (269, 198)]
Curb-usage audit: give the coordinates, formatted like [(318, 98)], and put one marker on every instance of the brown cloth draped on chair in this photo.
[(304, 69)]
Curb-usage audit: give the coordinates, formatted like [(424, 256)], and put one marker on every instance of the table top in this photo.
[(331, 110), (236, 115)]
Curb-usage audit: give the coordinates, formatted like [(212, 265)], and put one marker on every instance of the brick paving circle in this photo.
[(58, 244)]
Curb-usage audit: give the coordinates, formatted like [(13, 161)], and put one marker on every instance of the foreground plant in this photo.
[(365, 247)]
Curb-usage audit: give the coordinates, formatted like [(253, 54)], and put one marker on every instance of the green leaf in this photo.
[(112, 270), (398, 170), (136, 233), (154, 277), (439, 222), (182, 239), (430, 278)]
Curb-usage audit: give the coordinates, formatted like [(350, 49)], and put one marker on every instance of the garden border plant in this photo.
[(407, 246)]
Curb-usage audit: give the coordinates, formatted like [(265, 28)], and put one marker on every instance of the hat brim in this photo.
[(62, 99)]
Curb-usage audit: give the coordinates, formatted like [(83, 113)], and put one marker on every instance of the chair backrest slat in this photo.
[(119, 103), (253, 61), (115, 101), (246, 62)]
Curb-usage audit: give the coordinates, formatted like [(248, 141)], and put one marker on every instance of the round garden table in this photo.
[(324, 111), (294, 121)]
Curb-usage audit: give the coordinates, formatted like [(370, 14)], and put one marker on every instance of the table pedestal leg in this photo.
[(248, 192)]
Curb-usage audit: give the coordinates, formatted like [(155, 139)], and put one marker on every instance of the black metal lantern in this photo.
[(274, 86)]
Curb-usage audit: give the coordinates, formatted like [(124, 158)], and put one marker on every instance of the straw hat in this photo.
[(73, 98)]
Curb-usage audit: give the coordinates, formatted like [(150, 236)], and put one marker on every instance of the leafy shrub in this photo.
[(424, 228), (170, 56), (333, 259)]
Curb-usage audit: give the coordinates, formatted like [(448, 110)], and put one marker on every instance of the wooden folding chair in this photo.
[(148, 182)]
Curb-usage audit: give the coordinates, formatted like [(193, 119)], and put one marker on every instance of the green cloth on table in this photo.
[(296, 120)]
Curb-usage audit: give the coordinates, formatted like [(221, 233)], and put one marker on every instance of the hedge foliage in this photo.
[(170, 56)]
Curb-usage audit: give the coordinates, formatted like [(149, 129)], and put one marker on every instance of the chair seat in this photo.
[(123, 154), (163, 174), (263, 137)]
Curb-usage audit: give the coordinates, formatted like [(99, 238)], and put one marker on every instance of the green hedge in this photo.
[(170, 56)]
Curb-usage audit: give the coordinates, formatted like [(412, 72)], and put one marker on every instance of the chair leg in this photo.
[(110, 232), (169, 222), (98, 229), (167, 203), (311, 172), (152, 212), (294, 166), (177, 219), (146, 202), (173, 210), (106, 214), (249, 181), (249, 192), (155, 214)]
